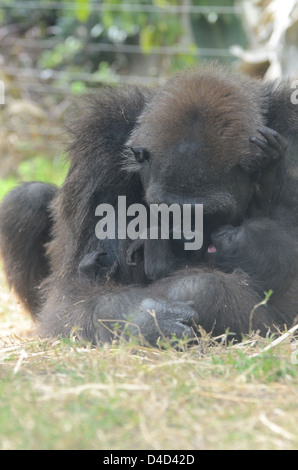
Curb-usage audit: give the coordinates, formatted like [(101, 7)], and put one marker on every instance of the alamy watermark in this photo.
[(138, 221), (2, 92), (294, 95)]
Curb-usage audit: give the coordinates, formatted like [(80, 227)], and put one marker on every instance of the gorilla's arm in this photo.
[(175, 306), (25, 229)]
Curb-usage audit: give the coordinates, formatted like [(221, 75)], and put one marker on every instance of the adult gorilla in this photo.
[(205, 137)]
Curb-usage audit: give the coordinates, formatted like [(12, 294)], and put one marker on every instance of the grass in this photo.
[(37, 168), (64, 395)]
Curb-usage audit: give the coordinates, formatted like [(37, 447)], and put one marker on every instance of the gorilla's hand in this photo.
[(271, 152), (273, 147), (157, 255), (90, 263), (134, 248), (166, 320), (90, 266)]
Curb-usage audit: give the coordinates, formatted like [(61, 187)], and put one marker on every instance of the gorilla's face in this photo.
[(180, 179), (192, 146)]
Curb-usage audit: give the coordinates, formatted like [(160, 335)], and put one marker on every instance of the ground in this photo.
[(60, 394)]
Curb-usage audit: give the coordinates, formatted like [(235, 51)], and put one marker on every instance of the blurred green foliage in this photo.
[(85, 22), (37, 168), (75, 33)]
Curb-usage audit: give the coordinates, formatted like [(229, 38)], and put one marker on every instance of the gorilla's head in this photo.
[(191, 144)]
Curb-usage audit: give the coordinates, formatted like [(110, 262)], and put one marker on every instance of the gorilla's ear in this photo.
[(280, 107)]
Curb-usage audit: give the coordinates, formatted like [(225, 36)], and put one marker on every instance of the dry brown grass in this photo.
[(64, 395)]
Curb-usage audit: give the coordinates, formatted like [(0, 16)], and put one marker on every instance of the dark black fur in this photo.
[(25, 228), (273, 149), (260, 248), (194, 140)]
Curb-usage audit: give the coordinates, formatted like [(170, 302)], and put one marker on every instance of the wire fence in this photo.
[(25, 80), (124, 7)]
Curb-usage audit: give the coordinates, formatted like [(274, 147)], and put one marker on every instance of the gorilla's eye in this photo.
[(140, 154)]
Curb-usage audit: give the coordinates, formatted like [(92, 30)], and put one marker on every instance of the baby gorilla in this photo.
[(249, 248)]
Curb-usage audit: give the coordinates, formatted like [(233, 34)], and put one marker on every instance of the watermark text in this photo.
[(294, 95), (138, 221)]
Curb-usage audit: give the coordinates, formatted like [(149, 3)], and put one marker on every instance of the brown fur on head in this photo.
[(207, 111), (196, 134)]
